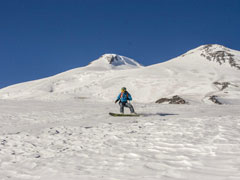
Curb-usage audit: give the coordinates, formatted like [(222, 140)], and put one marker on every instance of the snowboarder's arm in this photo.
[(118, 98)]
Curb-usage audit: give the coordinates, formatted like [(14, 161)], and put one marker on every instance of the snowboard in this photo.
[(123, 115)]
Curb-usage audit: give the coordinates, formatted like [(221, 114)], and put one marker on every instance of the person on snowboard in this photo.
[(123, 99)]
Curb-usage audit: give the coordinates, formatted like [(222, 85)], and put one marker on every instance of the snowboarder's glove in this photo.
[(116, 101)]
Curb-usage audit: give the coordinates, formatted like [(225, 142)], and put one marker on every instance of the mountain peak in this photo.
[(213, 47), (217, 53), (208, 48), (221, 55), (114, 61)]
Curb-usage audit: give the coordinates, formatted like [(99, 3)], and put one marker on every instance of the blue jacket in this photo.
[(125, 97)]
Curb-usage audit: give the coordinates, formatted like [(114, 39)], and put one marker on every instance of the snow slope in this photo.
[(74, 140), (195, 76)]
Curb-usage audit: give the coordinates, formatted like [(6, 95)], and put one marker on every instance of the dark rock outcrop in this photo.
[(174, 100), (222, 85), (113, 58), (214, 99)]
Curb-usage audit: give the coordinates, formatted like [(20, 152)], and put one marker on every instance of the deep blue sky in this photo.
[(40, 38)]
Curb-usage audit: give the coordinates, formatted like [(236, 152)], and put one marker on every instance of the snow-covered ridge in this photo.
[(194, 76)]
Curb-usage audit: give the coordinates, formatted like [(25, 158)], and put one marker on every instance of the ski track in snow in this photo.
[(77, 140)]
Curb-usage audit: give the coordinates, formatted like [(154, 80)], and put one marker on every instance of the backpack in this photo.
[(122, 94)]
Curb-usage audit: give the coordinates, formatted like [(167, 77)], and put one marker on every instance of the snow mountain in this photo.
[(207, 74), (219, 54), (113, 61), (59, 127)]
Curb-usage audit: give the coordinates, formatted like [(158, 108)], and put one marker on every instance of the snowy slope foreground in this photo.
[(195, 76), (75, 140)]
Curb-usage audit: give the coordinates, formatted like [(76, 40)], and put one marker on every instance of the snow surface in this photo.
[(59, 127), (78, 140)]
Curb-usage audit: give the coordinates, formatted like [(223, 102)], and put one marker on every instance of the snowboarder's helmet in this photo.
[(124, 89)]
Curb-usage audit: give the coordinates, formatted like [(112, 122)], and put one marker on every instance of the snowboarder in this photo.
[(123, 99)]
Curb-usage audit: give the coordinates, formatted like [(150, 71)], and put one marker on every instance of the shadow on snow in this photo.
[(157, 114)]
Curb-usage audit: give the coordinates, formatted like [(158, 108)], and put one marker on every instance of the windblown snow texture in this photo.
[(79, 140)]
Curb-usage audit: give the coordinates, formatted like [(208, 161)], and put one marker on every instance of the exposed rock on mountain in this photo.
[(215, 100), (174, 100), (114, 61), (220, 54), (222, 85)]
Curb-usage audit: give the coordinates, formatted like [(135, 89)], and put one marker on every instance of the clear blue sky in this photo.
[(40, 38)]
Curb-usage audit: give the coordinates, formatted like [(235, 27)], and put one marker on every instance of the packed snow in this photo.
[(59, 127), (79, 140)]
